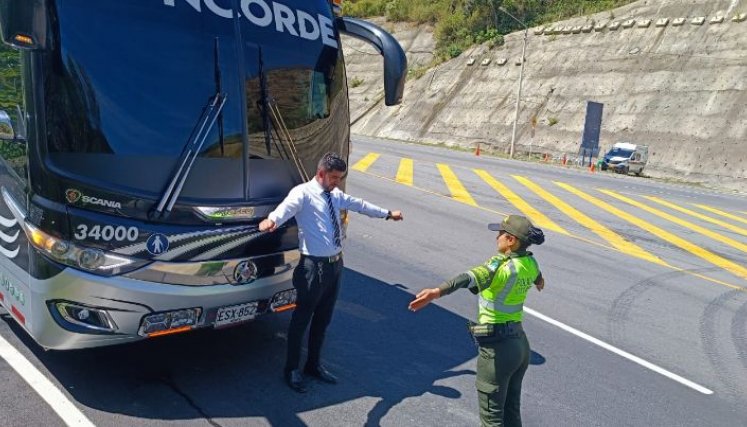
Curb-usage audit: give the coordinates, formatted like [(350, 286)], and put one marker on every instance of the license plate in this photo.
[(236, 313)]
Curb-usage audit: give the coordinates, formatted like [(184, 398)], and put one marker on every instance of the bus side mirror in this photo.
[(395, 61), (23, 23)]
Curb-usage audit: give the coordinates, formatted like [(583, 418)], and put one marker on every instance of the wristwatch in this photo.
[(388, 215)]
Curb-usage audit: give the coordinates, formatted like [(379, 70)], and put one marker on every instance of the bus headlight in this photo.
[(89, 259)]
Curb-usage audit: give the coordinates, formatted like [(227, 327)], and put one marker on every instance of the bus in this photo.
[(149, 140)]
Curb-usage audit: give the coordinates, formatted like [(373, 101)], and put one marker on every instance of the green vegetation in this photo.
[(356, 81), (417, 72), (10, 78), (460, 24)]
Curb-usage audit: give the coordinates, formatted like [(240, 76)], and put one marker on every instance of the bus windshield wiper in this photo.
[(272, 120), (219, 89), (210, 113), (192, 149)]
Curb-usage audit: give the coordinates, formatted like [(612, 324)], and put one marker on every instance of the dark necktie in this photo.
[(333, 217)]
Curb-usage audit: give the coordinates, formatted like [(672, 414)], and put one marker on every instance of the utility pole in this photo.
[(521, 80)]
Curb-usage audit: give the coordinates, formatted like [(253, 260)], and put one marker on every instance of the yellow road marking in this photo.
[(538, 218), (689, 225), (404, 174), (583, 239), (605, 233), (663, 234), (458, 192), (720, 212), (366, 162), (698, 215)]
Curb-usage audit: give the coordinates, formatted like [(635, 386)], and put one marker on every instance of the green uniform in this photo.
[(502, 284)]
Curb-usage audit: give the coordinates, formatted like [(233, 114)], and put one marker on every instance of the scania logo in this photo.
[(72, 195), (245, 272)]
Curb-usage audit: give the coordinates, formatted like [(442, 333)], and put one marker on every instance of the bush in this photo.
[(398, 10), (461, 23), (356, 81), (417, 72), (453, 50), (364, 8)]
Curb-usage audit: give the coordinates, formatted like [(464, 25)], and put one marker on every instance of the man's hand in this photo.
[(540, 283), (423, 298), (396, 216), (267, 225)]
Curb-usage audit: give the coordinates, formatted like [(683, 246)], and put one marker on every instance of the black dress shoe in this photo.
[(321, 373), (294, 379)]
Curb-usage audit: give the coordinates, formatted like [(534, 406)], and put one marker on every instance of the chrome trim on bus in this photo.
[(212, 273)]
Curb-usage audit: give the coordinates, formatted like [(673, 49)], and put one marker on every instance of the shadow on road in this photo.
[(375, 346)]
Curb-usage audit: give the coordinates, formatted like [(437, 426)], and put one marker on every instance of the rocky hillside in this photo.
[(671, 74)]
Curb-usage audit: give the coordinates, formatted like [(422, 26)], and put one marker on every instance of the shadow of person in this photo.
[(536, 358), (375, 346), (390, 400), (403, 354)]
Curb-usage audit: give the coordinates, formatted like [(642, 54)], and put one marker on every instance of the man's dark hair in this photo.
[(332, 162)]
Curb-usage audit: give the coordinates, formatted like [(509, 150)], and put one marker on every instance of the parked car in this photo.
[(625, 157)]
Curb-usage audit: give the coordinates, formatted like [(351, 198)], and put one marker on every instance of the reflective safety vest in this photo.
[(502, 284)]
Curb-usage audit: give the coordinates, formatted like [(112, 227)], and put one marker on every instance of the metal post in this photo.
[(521, 78), (518, 94)]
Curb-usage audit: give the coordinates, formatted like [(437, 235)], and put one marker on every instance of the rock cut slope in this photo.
[(671, 74)]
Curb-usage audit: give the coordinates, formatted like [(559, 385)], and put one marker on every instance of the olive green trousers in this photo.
[(500, 369)]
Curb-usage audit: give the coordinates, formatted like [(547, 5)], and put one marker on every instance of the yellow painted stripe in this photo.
[(366, 162), (573, 236), (605, 233), (699, 215), (404, 174), (720, 212), (663, 234), (538, 218), (679, 221), (458, 192), (671, 218)]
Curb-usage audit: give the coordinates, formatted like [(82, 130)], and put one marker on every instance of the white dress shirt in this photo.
[(307, 202)]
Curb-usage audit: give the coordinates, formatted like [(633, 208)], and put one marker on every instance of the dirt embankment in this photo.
[(681, 89)]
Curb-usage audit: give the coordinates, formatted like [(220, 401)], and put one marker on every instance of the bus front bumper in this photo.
[(75, 309)]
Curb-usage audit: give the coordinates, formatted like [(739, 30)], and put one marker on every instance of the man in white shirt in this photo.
[(316, 206)]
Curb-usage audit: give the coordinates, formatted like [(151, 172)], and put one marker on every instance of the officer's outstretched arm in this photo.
[(423, 298)]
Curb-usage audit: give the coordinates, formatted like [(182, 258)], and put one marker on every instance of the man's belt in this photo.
[(328, 259)]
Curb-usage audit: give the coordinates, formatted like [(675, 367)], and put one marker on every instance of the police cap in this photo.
[(515, 225)]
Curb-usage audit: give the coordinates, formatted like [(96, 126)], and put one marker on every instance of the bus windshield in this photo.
[(129, 80)]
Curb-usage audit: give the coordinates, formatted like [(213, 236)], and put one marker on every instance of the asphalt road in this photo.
[(659, 279)]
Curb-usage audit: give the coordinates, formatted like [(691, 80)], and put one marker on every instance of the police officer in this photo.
[(502, 284)]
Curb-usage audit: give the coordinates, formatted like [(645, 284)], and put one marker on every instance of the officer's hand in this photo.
[(267, 225), (397, 216), (423, 298), (540, 283)]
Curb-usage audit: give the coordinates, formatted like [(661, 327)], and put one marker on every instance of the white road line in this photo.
[(625, 354), (48, 391)]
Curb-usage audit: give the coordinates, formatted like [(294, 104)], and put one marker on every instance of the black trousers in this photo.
[(317, 284)]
